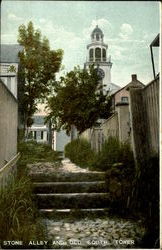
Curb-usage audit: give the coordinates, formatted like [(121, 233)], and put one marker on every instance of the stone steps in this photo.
[(77, 213), (70, 193), (68, 177), (72, 200), (71, 187)]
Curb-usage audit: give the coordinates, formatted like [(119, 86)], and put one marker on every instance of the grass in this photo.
[(33, 152), (18, 213), (79, 152)]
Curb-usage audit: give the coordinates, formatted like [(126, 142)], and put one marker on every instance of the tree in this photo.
[(38, 66), (78, 100)]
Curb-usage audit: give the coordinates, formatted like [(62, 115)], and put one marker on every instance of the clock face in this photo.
[(100, 73)]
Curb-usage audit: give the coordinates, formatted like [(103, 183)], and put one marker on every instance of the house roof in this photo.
[(9, 53), (133, 83)]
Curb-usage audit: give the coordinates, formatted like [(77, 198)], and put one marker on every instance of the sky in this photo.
[(128, 26)]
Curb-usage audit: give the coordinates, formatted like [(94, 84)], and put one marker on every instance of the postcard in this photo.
[(79, 125)]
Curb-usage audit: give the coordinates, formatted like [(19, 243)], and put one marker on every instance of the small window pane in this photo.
[(124, 99)]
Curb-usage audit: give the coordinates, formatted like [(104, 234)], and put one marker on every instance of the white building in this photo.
[(98, 56), (9, 63), (40, 131)]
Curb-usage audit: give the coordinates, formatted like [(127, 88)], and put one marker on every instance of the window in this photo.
[(91, 55), (39, 120), (98, 54), (97, 37), (104, 55), (124, 99), (35, 135), (41, 135)]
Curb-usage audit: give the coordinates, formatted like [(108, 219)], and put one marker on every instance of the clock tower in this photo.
[(98, 55)]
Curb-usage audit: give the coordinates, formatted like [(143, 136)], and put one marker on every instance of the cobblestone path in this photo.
[(73, 203)]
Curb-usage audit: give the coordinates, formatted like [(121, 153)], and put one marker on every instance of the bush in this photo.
[(18, 217), (79, 152), (112, 152)]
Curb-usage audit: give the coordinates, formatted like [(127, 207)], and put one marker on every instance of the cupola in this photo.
[(97, 35)]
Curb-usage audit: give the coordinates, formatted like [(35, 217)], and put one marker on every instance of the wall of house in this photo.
[(124, 126), (123, 93), (144, 106), (9, 78), (8, 125)]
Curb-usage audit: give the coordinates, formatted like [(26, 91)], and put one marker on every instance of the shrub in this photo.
[(79, 152), (112, 152)]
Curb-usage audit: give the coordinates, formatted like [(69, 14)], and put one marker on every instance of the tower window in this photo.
[(97, 54), (41, 135), (104, 55), (91, 55), (35, 135), (97, 37)]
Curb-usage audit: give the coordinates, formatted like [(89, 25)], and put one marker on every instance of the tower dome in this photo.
[(97, 34)]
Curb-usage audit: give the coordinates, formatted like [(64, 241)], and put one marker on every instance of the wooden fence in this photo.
[(144, 106)]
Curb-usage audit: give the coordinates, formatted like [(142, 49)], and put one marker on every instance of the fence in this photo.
[(137, 123), (144, 106), (8, 132)]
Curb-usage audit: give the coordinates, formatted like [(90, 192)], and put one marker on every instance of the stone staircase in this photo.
[(71, 193)]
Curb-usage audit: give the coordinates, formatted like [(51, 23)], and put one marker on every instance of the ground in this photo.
[(101, 231)]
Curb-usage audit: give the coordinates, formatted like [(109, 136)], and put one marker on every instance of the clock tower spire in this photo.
[(98, 55)]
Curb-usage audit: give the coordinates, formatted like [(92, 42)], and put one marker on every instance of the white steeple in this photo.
[(97, 55)]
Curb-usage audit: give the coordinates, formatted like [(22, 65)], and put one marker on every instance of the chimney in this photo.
[(134, 77)]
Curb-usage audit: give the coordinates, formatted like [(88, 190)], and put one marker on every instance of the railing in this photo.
[(8, 171)]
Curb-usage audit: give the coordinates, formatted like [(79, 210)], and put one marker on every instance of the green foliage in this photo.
[(33, 152), (79, 151), (79, 100), (112, 152), (38, 65), (18, 217)]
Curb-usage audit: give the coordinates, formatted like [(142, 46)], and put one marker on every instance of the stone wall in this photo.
[(8, 125)]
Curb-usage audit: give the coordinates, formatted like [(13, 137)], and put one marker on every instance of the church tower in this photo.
[(98, 55)]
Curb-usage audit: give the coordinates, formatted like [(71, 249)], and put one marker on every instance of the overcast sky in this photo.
[(129, 28)]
